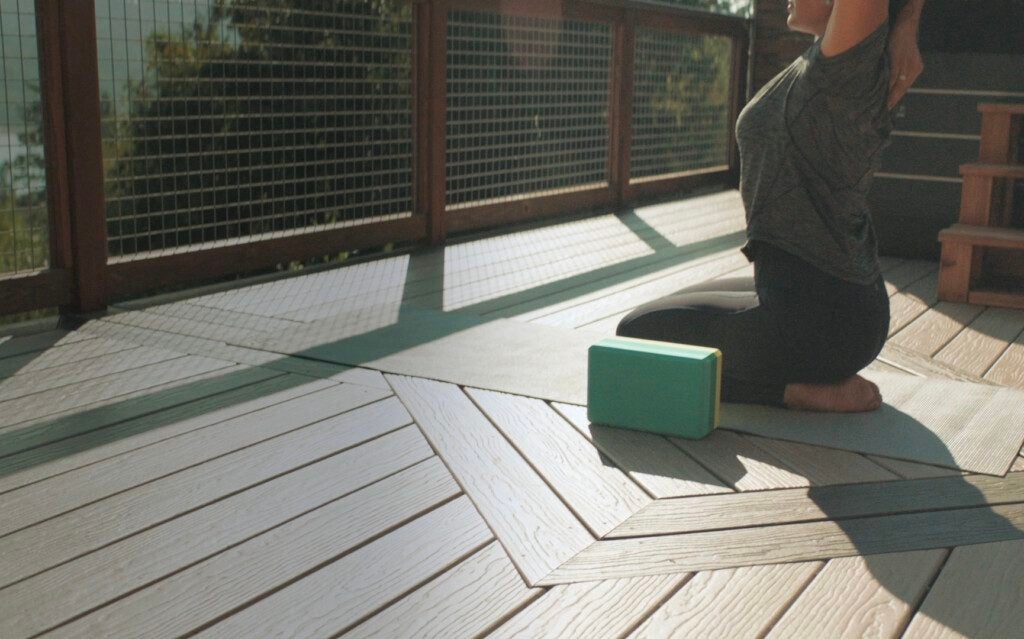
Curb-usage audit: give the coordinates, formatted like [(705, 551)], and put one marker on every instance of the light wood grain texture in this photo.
[(979, 345), (824, 466), (94, 393), (182, 326), (79, 531), (221, 318), (462, 603), (211, 589), (617, 558), (51, 497), (731, 604), (595, 609), (641, 292), (596, 491), (650, 460), (921, 365), (978, 594), (913, 470), (861, 596), (78, 372), (116, 570), (346, 591), (740, 463), (936, 327), (211, 348), (1009, 369), (719, 512), (908, 273), (61, 356), (19, 345), (241, 391), (911, 302), (140, 403), (533, 524)]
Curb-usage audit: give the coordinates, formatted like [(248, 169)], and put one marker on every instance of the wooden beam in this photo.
[(620, 120), (437, 98), (31, 292), (502, 213)]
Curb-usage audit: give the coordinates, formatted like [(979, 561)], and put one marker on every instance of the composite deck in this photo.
[(159, 476)]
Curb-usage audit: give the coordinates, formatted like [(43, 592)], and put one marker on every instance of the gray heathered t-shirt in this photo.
[(810, 141)]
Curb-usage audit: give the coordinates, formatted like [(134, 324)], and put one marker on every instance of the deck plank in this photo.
[(88, 370), (61, 356), (906, 274), (731, 604), (650, 460), (219, 350), (22, 344), (213, 588), (978, 594), (913, 301), (74, 533), (983, 341), (246, 390), (1009, 368), (533, 524), (356, 586), (824, 466), (722, 512), (914, 470), (637, 293), (936, 327), (598, 492), (51, 497), (116, 570), (460, 604), (594, 609), (617, 558), (97, 392), (740, 463), (856, 597)]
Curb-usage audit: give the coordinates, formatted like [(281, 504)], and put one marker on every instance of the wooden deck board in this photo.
[(729, 604), (978, 594), (345, 592), (460, 604), (983, 341), (210, 590), (650, 460), (51, 497), (936, 327), (600, 494), (535, 526), (22, 344), (595, 609), (102, 522), (61, 356), (116, 570), (913, 301), (824, 466), (1009, 368), (740, 463), (94, 393), (854, 598)]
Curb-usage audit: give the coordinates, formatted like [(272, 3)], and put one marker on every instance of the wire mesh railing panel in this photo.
[(24, 222), (680, 104), (226, 121), (528, 103)]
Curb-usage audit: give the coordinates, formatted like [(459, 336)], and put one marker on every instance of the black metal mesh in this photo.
[(681, 103), (24, 226), (225, 121), (528, 106)]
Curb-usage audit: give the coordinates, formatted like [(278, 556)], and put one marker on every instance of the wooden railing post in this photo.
[(74, 153), (738, 87), (430, 114), (621, 111)]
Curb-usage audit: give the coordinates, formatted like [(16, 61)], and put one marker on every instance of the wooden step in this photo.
[(1014, 108), (1015, 171), (984, 236)]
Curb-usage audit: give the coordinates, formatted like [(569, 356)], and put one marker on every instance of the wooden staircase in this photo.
[(983, 255)]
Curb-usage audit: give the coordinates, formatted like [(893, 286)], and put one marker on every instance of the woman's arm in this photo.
[(905, 61), (852, 21)]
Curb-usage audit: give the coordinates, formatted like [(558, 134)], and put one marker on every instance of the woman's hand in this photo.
[(905, 63)]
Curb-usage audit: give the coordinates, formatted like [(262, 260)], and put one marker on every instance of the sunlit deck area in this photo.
[(161, 474)]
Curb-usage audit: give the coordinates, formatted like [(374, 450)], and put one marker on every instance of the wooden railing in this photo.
[(83, 277)]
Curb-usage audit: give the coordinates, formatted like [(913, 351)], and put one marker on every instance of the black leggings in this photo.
[(791, 323)]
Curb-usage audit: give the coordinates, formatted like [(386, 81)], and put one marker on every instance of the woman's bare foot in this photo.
[(852, 395)]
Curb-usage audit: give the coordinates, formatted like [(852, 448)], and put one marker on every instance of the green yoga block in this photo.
[(658, 387)]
